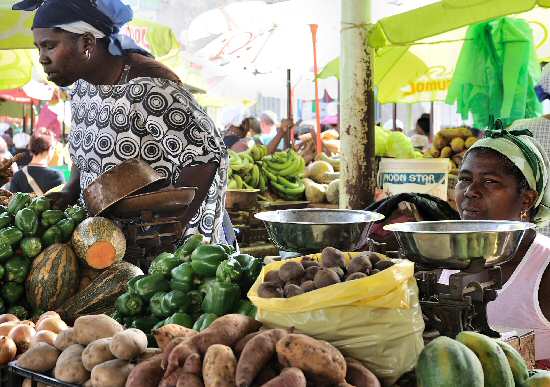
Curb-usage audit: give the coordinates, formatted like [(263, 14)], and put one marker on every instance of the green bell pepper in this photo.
[(30, 247), (18, 201), (205, 283), (182, 277), (11, 235), (145, 323), (11, 292), (179, 318), (51, 217), (129, 304), (67, 227), (2, 272), (158, 325), (204, 321), (221, 298), (246, 308), (52, 236), (20, 312), (163, 264), (155, 305), (175, 301), (26, 221), (116, 315), (206, 259), (251, 268), (229, 271), (5, 220), (6, 252), (147, 286), (132, 283), (229, 250), (40, 204), (17, 269), (184, 251), (76, 213)]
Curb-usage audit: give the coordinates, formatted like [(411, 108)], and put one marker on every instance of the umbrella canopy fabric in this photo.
[(16, 95)]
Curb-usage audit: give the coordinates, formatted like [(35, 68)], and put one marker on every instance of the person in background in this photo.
[(237, 138), (420, 138), (8, 138), (268, 124), (6, 155), (21, 140), (37, 177)]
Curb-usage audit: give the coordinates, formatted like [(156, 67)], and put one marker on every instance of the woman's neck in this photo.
[(39, 161), (105, 69)]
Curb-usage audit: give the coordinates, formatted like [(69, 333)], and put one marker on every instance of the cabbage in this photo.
[(380, 139), (399, 146)]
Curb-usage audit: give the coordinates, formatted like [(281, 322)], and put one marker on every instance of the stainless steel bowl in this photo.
[(459, 244), (311, 230)]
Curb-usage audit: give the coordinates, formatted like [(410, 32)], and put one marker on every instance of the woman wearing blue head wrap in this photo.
[(127, 105)]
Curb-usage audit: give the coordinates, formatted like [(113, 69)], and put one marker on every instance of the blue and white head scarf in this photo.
[(101, 18)]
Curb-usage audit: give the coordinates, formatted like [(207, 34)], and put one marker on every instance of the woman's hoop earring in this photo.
[(88, 55), (524, 215)]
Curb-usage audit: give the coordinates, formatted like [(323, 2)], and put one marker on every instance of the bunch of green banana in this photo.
[(258, 152), (285, 171), (245, 171)]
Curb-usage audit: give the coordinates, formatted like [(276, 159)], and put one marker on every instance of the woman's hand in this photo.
[(62, 199)]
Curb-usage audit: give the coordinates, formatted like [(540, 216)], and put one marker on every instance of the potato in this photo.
[(43, 337), (93, 327), (52, 324), (316, 358), (64, 339), (28, 383), (355, 276), (168, 332), (292, 290), (112, 373), (331, 257), (359, 375), (189, 380), (146, 374), (360, 264), (270, 290), (128, 344), (310, 272), (339, 271), (446, 152), (39, 358), (7, 317), (457, 144), (219, 366), (97, 352), (325, 277), (308, 263), (308, 286), (88, 383), (291, 270), (69, 366), (289, 377), (272, 276)]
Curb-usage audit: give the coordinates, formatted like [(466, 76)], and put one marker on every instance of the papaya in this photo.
[(447, 362), (540, 379), (516, 362), (496, 370)]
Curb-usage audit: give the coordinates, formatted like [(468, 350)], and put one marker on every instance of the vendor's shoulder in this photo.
[(542, 241)]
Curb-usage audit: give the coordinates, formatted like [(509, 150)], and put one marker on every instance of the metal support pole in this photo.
[(358, 171)]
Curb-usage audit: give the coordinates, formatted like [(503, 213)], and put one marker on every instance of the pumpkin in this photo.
[(53, 277), (98, 242)]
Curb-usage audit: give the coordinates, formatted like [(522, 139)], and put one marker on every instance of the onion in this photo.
[(21, 336), (8, 350), (52, 324), (5, 328), (27, 322), (7, 317), (43, 337), (49, 314)]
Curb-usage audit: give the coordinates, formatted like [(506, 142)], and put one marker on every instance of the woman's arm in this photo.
[(286, 124), (70, 193)]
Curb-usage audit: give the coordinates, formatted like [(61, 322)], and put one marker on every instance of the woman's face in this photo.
[(60, 55), (487, 191)]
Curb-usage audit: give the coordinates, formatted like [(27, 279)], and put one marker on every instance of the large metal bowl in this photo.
[(459, 244), (311, 230)]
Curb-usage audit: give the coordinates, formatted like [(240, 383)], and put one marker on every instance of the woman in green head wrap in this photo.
[(505, 177)]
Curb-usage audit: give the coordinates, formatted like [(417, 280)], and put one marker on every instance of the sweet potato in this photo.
[(97, 352), (69, 367), (169, 348), (266, 374), (193, 364), (93, 327), (218, 369), (331, 257), (270, 290), (325, 277), (289, 377), (128, 344), (146, 374), (39, 358), (112, 373), (189, 380), (256, 354), (238, 348), (291, 270), (360, 264), (172, 379), (28, 383), (359, 375), (226, 330), (65, 339), (148, 354), (168, 332), (314, 357)]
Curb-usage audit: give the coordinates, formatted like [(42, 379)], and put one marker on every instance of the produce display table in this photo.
[(18, 374), (523, 341)]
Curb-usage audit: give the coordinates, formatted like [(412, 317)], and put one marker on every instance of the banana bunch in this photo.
[(258, 152), (245, 172), (285, 171)]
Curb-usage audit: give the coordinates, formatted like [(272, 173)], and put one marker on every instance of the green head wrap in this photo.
[(528, 155)]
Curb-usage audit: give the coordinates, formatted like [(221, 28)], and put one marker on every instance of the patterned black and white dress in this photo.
[(153, 119)]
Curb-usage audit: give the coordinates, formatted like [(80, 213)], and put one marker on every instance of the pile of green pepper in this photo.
[(27, 226), (191, 287)]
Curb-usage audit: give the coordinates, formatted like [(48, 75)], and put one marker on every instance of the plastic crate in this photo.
[(16, 375)]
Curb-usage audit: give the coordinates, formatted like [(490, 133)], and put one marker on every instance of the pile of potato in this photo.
[(452, 143), (96, 351), (236, 351), (295, 278)]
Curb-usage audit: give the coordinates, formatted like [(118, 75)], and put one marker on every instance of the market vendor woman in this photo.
[(505, 177), (127, 105)]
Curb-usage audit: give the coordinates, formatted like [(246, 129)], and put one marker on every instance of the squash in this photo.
[(540, 379), (446, 362), (98, 242), (496, 370), (53, 277), (100, 296), (516, 362)]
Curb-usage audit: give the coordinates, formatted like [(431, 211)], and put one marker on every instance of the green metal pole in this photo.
[(358, 171)]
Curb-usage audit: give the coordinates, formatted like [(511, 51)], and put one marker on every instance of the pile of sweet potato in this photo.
[(236, 351)]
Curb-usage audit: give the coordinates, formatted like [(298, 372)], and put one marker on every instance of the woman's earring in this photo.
[(88, 55), (524, 215)]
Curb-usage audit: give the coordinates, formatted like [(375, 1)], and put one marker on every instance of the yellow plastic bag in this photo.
[(376, 320)]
